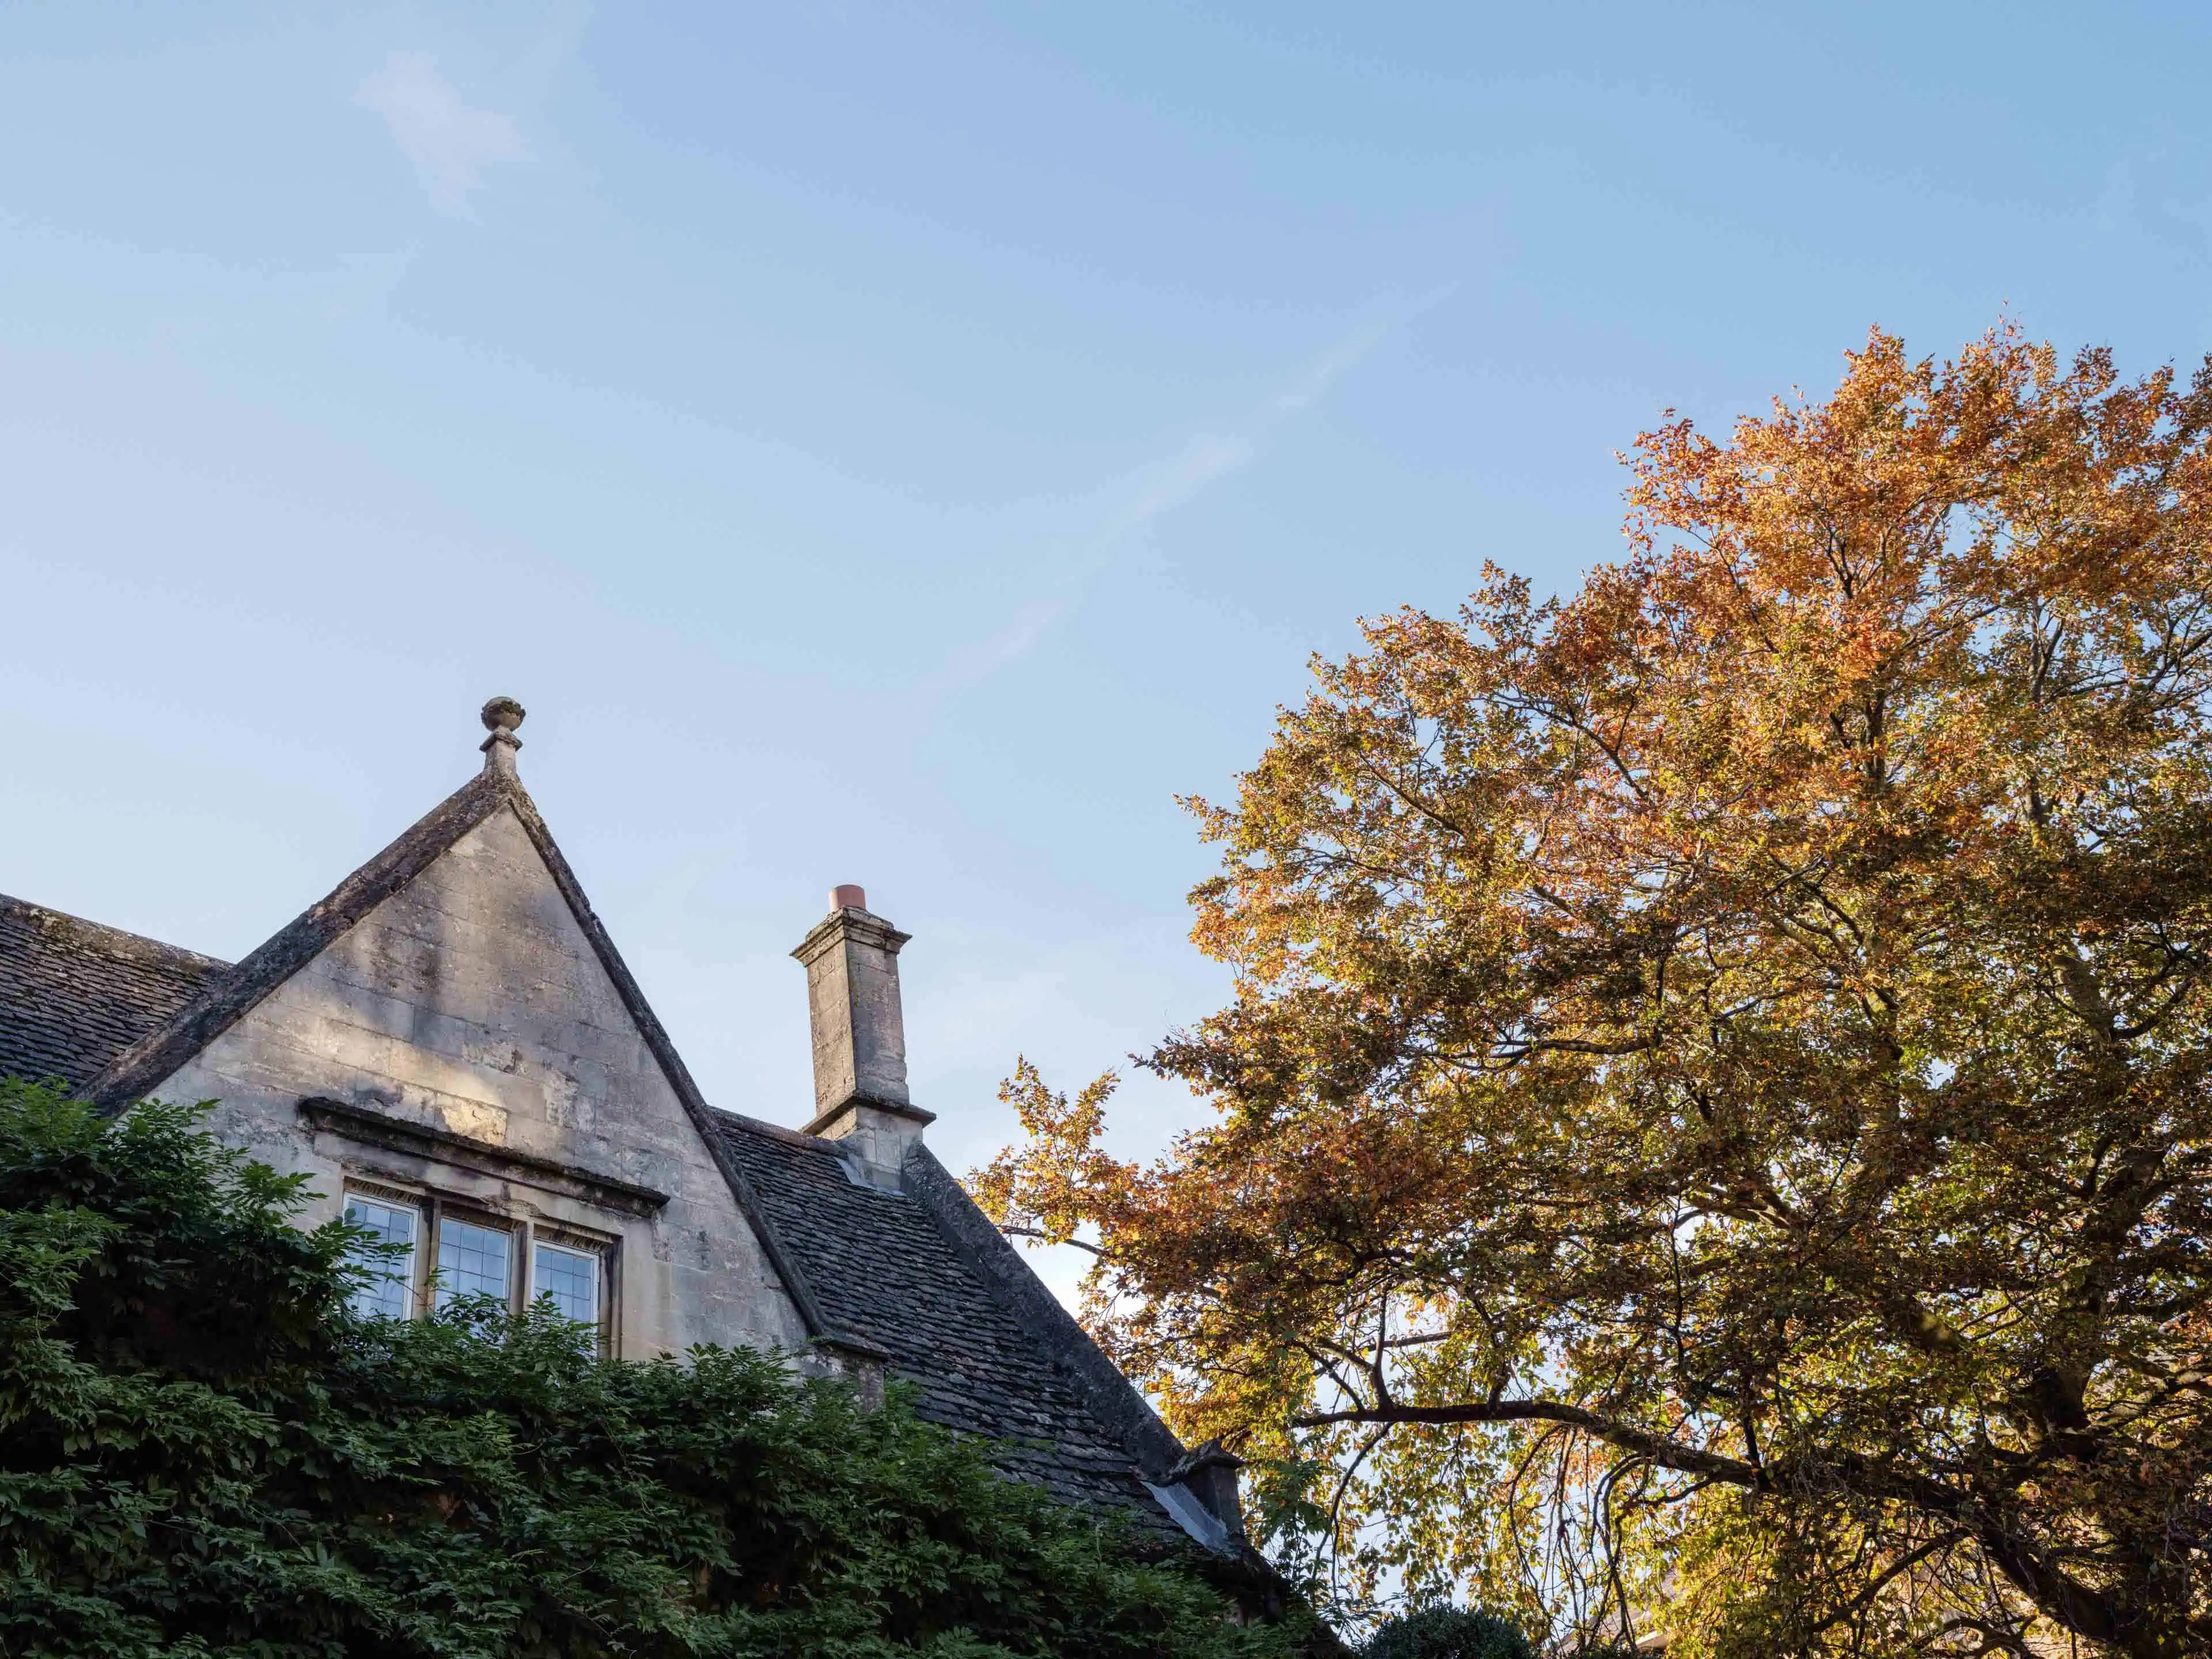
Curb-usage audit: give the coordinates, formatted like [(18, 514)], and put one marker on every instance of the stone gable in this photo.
[(471, 1002)]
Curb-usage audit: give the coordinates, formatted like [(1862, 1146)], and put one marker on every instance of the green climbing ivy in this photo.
[(202, 1452)]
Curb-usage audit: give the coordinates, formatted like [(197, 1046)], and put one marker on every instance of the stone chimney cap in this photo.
[(502, 715), (848, 896)]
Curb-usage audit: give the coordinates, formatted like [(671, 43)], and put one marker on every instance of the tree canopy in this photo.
[(1713, 1126), (202, 1454)]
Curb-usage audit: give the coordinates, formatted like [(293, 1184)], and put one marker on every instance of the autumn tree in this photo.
[(1713, 1129)]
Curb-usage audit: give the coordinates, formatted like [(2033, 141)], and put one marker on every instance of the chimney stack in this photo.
[(860, 1094)]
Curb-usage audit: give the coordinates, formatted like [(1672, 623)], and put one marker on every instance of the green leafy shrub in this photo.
[(1448, 1632), (202, 1453)]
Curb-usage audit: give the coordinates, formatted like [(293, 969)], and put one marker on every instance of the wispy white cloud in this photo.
[(1206, 458), (449, 142), (1015, 638), (1151, 492), (1157, 490)]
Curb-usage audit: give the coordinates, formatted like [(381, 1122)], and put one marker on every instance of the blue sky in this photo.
[(912, 445)]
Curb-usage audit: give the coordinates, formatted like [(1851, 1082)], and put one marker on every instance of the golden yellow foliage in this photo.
[(1714, 1124)]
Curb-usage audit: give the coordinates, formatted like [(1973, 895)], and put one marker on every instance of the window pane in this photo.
[(473, 1260), (571, 1278), (389, 1295)]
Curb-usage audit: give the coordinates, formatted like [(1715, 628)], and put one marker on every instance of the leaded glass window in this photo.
[(474, 1260), (389, 1291), (570, 1277)]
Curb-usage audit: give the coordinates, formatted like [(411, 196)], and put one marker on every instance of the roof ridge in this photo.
[(116, 940), (778, 1132)]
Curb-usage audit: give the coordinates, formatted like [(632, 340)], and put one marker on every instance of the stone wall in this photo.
[(469, 1003)]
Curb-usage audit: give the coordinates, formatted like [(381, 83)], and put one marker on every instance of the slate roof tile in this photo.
[(885, 1269), (74, 995)]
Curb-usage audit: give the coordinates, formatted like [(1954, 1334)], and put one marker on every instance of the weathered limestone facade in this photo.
[(471, 1003)]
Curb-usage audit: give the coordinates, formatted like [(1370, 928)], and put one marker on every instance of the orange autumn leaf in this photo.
[(1713, 1130)]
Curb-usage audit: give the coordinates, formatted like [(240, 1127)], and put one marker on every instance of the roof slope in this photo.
[(74, 995), (885, 1267)]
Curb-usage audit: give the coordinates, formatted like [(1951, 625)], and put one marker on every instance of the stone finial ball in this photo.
[(502, 715)]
